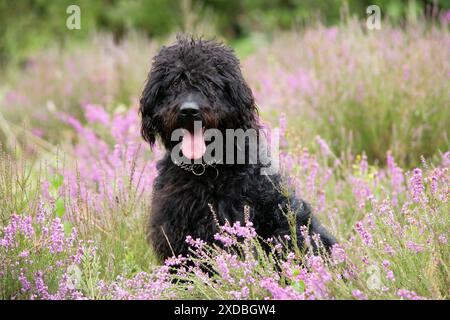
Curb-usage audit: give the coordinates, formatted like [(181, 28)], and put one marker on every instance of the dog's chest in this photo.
[(196, 201), (186, 205)]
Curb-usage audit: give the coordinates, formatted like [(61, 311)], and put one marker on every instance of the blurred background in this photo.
[(313, 62), (28, 25)]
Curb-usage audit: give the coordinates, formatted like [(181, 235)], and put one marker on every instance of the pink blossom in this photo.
[(414, 246), (416, 185), (409, 295), (338, 254), (364, 234), (324, 147), (277, 292), (359, 295), (94, 113)]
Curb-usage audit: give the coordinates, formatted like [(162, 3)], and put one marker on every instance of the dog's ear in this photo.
[(237, 89), (242, 97), (147, 108)]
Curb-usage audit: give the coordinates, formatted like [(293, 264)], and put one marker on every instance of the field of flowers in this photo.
[(364, 120)]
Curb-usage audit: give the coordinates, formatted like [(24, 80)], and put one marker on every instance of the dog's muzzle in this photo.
[(193, 145), (189, 112)]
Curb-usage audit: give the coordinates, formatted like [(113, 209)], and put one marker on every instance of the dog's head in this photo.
[(195, 80)]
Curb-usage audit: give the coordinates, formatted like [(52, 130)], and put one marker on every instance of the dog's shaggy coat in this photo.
[(208, 74)]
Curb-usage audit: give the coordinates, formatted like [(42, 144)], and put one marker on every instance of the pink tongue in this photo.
[(193, 145)]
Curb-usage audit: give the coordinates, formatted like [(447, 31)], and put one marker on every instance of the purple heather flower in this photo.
[(445, 17), (311, 180), (41, 288), (24, 254), (277, 292), (245, 291), (416, 185), (357, 294), (414, 246), (247, 231), (277, 248), (390, 275), (41, 213), (338, 254), (225, 240), (95, 113), (76, 258), (305, 235), (197, 243), (409, 295), (18, 225), (26, 286), (364, 234), (223, 269), (56, 236), (316, 278), (173, 261), (324, 147)]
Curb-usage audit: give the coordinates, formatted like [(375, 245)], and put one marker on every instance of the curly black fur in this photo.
[(210, 72)]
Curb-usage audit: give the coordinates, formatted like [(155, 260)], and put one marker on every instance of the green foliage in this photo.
[(28, 25)]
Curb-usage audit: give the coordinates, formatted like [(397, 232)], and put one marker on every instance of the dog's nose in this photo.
[(189, 110)]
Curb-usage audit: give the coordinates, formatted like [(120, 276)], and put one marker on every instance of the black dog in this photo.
[(201, 80)]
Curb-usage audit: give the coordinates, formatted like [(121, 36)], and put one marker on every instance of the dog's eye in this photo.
[(211, 83), (176, 82)]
